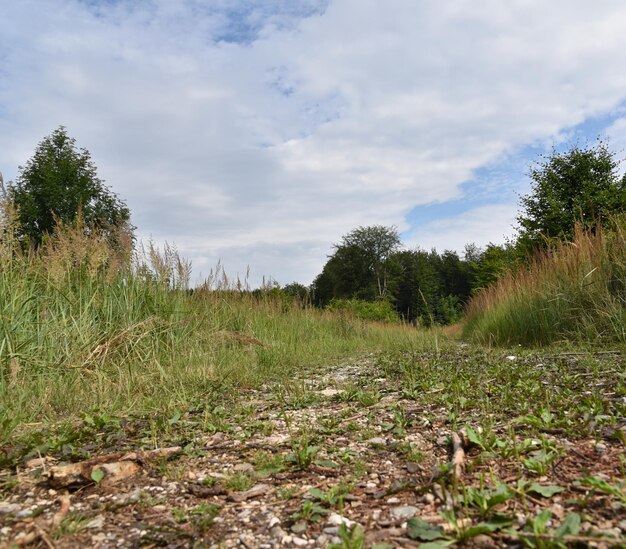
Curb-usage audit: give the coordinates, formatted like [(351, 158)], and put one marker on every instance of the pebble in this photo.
[(273, 521), (244, 468), (428, 498), (608, 532), (484, 542), (377, 441), (622, 526), (95, 523), (299, 527), (9, 508), (299, 542), (393, 500), (404, 512), (322, 540), (337, 520), (413, 467), (277, 532), (24, 513)]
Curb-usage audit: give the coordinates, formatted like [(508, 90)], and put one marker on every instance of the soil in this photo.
[(289, 473)]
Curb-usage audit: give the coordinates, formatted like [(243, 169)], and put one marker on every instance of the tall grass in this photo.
[(85, 326), (575, 291)]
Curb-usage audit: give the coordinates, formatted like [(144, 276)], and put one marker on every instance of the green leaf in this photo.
[(327, 463), (97, 475), (545, 491), (501, 494), (473, 436), (420, 529), (316, 493), (570, 526), (541, 521)]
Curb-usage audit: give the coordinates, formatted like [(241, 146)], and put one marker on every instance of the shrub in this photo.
[(380, 310)]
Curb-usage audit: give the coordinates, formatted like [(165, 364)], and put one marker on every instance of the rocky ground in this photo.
[(347, 458)]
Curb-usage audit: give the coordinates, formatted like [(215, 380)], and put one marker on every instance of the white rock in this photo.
[(337, 520), (9, 508), (274, 521), (377, 441), (96, 523), (403, 512)]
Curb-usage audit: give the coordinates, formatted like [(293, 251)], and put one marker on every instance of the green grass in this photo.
[(576, 292), (85, 332)]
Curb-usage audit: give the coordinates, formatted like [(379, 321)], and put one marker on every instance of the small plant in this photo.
[(310, 511), (267, 463), (73, 523), (539, 462), (286, 492), (538, 534), (302, 451), (409, 451), (239, 482), (203, 516), (329, 425), (601, 485), (351, 537), (486, 499)]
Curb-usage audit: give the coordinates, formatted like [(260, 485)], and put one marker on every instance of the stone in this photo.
[(428, 498), (413, 467), (95, 523), (337, 520), (483, 541), (404, 512), (377, 441), (299, 542), (330, 392), (299, 527), (244, 468), (9, 508)]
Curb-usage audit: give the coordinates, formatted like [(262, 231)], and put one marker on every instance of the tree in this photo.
[(57, 184), (579, 185), (359, 267), (376, 244)]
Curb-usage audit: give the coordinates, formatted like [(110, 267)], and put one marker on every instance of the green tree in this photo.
[(360, 266), (579, 185), (57, 183)]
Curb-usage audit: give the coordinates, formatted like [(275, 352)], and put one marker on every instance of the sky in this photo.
[(257, 133)]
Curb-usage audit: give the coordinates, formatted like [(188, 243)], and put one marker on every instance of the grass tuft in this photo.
[(575, 291)]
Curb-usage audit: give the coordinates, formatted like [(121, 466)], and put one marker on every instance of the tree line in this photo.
[(579, 186), (368, 271)]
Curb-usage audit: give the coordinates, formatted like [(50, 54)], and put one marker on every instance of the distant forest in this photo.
[(370, 274)]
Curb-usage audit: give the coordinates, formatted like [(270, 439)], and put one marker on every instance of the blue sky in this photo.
[(259, 132)]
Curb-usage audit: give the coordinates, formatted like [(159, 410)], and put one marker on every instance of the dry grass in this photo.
[(574, 291)]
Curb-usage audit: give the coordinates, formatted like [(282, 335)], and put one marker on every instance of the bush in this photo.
[(380, 310)]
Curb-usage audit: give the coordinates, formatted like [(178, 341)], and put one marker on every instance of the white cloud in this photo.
[(492, 224), (264, 150)]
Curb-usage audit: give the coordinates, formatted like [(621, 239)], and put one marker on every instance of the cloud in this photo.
[(259, 133), (493, 224)]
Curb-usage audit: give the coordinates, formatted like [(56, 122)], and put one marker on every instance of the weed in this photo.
[(239, 482), (310, 511), (303, 452)]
